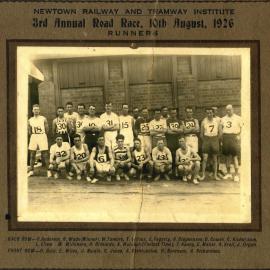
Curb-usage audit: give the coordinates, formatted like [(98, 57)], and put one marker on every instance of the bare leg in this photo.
[(32, 159)]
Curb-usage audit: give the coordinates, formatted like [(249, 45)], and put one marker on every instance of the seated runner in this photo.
[(187, 161), (141, 161), (59, 156), (122, 158), (79, 156), (162, 158), (101, 161)]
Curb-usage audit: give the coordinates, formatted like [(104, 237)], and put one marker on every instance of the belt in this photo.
[(191, 135)]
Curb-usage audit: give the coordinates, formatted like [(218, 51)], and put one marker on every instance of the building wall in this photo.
[(198, 81)]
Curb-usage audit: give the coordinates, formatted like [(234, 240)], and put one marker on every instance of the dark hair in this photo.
[(108, 102), (81, 104), (137, 139), (157, 110), (181, 137), (91, 106), (163, 107), (60, 107), (173, 109), (57, 136), (120, 137), (144, 108), (69, 103), (35, 105), (160, 139), (209, 109), (76, 136), (124, 104)]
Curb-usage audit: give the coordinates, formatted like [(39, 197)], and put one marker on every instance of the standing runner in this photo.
[(71, 117), (158, 128), (231, 127), (38, 129), (91, 128), (110, 125), (141, 160), (122, 158), (59, 156), (142, 129), (165, 112), (79, 157), (187, 162), (210, 135), (162, 158), (126, 123), (101, 159), (136, 113), (81, 121), (175, 129), (61, 125), (191, 129)]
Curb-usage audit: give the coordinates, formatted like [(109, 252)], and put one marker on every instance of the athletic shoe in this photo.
[(195, 181), (118, 177), (88, 179), (79, 177), (157, 178), (236, 178), (189, 177), (184, 179), (217, 178), (94, 181), (30, 173), (69, 177), (126, 177), (201, 178), (109, 178), (49, 174), (167, 177), (227, 176), (71, 174), (56, 176)]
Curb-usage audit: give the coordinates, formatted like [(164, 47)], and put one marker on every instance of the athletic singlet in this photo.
[(37, 124), (139, 156), (79, 154), (121, 154), (210, 127), (61, 126), (162, 155), (61, 151), (126, 125), (189, 124), (80, 125), (142, 125), (102, 157), (182, 157)]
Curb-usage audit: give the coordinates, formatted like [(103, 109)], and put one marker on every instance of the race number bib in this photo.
[(121, 156), (140, 158), (60, 154), (158, 127), (61, 127), (80, 156), (174, 125), (78, 124), (37, 130), (102, 158), (144, 127), (162, 157), (190, 124)]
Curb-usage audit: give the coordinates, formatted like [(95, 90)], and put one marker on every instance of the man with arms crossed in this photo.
[(158, 128), (126, 123), (162, 159), (91, 128), (79, 157), (141, 160), (101, 159), (38, 129), (187, 161), (110, 125), (191, 129), (59, 156), (122, 158), (210, 135), (231, 128), (61, 125), (142, 129)]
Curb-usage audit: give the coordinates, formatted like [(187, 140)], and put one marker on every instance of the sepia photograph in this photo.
[(133, 134)]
